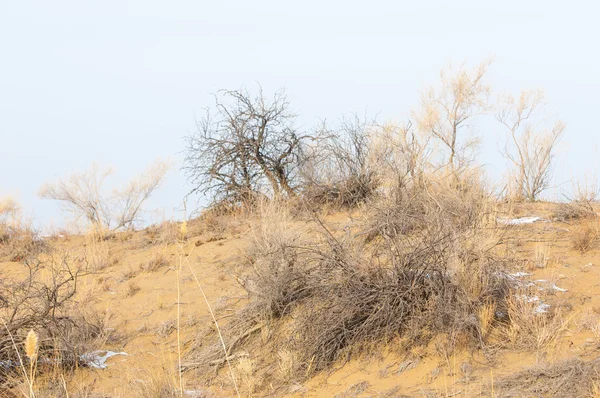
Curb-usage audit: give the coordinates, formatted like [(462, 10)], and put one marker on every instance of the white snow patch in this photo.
[(520, 221), (96, 360)]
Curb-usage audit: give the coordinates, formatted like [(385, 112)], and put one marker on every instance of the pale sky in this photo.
[(120, 82)]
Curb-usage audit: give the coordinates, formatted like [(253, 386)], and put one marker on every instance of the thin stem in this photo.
[(214, 318), (179, 326)]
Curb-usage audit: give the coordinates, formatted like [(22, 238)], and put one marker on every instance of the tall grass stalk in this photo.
[(214, 318)]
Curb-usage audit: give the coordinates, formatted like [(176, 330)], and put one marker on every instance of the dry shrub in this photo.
[(590, 320), (418, 293), (96, 255), (541, 257), (18, 243), (575, 210), (328, 298), (166, 233), (530, 328), (157, 382), (158, 261), (216, 220), (43, 300), (279, 276), (18, 239), (347, 193), (570, 378), (132, 289), (585, 237), (433, 203), (341, 171)]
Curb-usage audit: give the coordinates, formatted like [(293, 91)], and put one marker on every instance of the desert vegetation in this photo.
[(353, 240)]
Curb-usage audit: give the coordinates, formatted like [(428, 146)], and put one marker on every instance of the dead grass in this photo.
[(528, 327), (19, 241), (132, 289), (585, 237), (570, 378), (574, 210), (166, 233), (158, 261)]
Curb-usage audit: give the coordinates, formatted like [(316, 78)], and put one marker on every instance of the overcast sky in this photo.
[(120, 82)]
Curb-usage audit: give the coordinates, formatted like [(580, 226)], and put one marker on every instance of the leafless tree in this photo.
[(81, 194), (131, 198), (84, 195), (530, 142), (446, 112), (250, 146)]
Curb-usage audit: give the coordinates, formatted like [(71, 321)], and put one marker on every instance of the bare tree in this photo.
[(448, 111), (84, 195), (249, 147), (81, 194), (530, 142), (129, 199)]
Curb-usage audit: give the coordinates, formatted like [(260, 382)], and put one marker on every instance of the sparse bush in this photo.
[(132, 289), (585, 237), (18, 239), (447, 112), (530, 145), (433, 205), (166, 233), (568, 378), (528, 327), (159, 261), (83, 195), (280, 271), (43, 302), (571, 211), (340, 169), (419, 293)]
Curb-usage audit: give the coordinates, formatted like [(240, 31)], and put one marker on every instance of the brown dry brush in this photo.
[(44, 301), (569, 378), (19, 242), (411, 207), (414, 294), (339, 171), (574, 210), (329, 298)]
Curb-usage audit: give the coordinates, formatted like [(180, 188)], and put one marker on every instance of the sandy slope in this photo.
[(144, 319)]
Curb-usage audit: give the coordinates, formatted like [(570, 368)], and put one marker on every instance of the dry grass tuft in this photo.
[(158, 261), (132, 289), (355, 390), (528, 327), (575, 210), (18, 240), (586, 236), (570, 378)]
